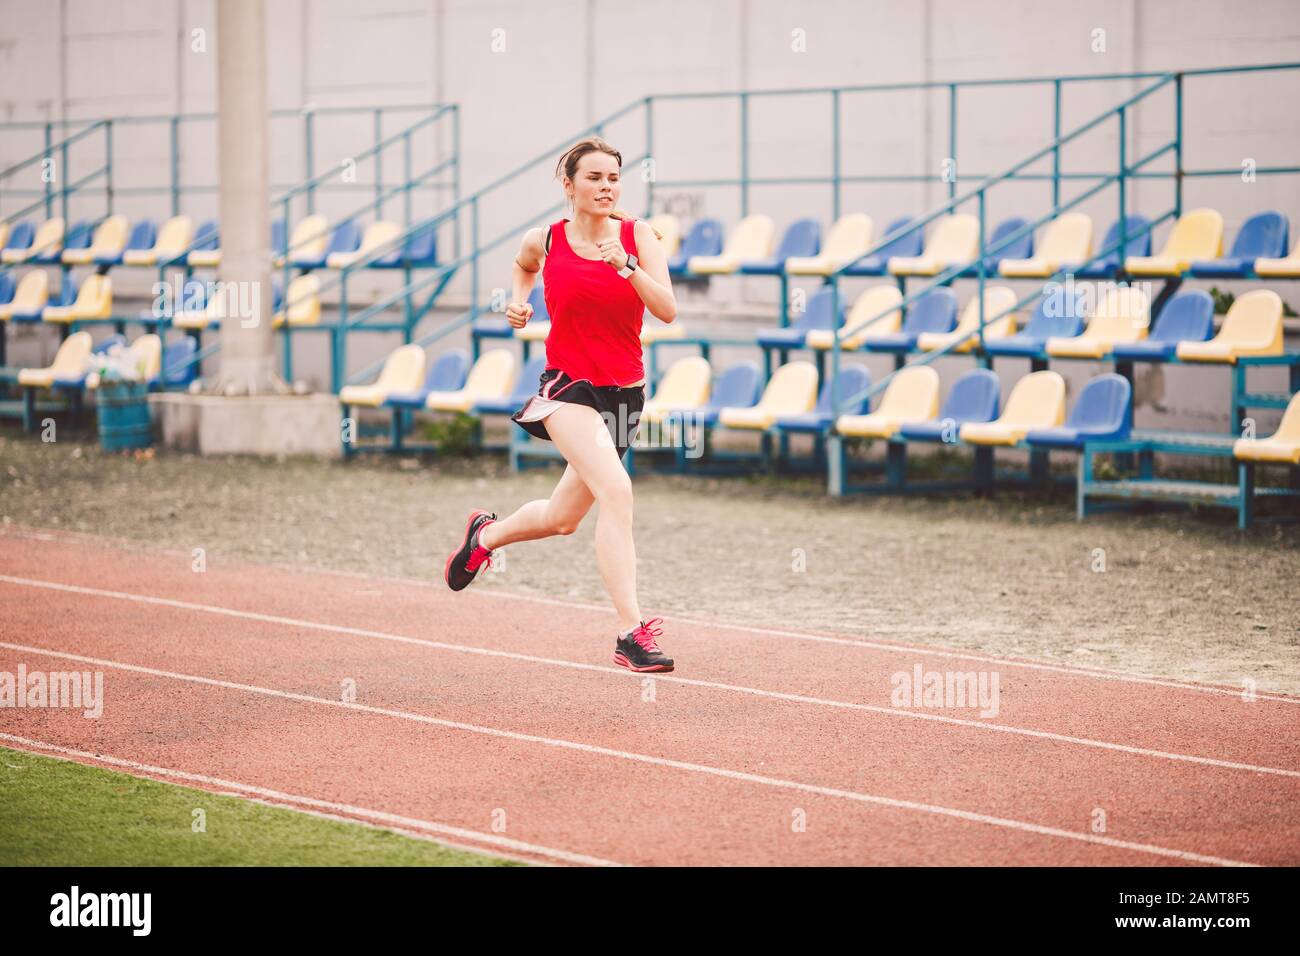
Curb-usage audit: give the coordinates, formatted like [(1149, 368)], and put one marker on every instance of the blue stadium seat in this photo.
[(1107, 266), (818, 315), (79, 237), (904, 246), (143, 236), (21, 235), (1053, 316), (853, 379), (67, 295), (1263, 236), (1021, 248), (803, 237), (936, 311), (176, 373), (279, 238), (421, 251), (974, 398), (525, 388), (207, 239), (1187, 317), (446, 374), (704, 239), (1103, 412), (6, 288), (737, 387), (345, 238)]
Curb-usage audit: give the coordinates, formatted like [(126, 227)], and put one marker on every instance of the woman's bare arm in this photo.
[(524, 274), (650, 278)]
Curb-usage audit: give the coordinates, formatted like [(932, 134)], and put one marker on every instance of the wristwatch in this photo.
[(628, 269)]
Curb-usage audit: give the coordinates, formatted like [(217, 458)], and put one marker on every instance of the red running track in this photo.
[(498, 722)]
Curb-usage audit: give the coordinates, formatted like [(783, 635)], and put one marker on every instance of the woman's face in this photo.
[(595, 185)]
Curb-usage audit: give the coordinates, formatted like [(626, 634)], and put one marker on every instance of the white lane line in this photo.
[(1098, 673), (292, 800), (686, 681), (705, 769)]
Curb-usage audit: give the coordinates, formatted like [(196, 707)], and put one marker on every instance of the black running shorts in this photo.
[(619, 407)]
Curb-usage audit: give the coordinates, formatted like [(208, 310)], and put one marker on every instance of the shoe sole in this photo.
[(446, 569), (622, 661)]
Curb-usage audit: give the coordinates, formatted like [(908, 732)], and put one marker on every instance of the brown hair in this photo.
[(568, 167)]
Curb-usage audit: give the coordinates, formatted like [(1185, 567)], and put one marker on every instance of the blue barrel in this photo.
[(123, 413)]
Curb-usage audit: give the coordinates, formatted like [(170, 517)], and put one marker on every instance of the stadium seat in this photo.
[(849, 238), (1020, 248), (1262, 236), (853, 379), (819, 315), (802, 238), (302, 303), (1054, 316), (684, 387), (1196, 235), (1036, 401), (954, 242), (1253, 326), (652, 330), (903, 245), (446, 374), (84, 242), (525, 388), (752, 238), (403, 371), (71, 380), (69, 360), (792, 389), (144, 354), (671, 230), (1187, 317), (346, 238), (1284, 268), (207, 247), (170, 242), (47, 247), (309, 242), (29, 299), (178, 367), (377, 236), (738, 386), (420, 251), (877, 306), (6, 294), (18, 243), (999, 319), (142, 236), (94, 301), (1282, 446), (912, 395), (935, 311), (704, 239), (492, 377), (1067, 241), (1137, 243), (1102, 412), (1122, 316), (974, 398)]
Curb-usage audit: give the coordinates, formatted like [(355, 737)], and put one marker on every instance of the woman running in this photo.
[(603, 269)]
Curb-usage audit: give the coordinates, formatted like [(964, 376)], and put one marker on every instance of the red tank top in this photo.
[(595, 314)]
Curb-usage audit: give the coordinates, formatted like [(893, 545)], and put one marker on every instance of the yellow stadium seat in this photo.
[(403, 371), (955, 241), (652, 330), (685, 385), (492, 377), (912, 395), (1282, 446), (791, 391), (109, 239), (850, 238), (94, 301), (48, 238), (869, 305), (174, 238), (998, 299), (303, 302), (671, 229), (310, 238), (1196, 235), (1285, 268), (1036, 401), (30, 297), (534, 331), (1123, 315), (145, 354), (68, 362), (753, 238), (1253, 326), (377, 234), (1066, 241)]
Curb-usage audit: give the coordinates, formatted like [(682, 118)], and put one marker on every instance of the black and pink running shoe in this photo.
[(465, 563), (637, 650)]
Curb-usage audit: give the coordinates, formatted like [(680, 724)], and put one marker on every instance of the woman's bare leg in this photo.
[(559, 514), (580, 434)]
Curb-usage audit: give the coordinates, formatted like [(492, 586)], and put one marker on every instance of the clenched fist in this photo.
[(518, 314)]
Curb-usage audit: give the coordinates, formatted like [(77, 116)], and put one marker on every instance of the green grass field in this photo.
[(58, 813)]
